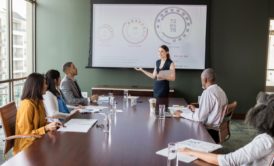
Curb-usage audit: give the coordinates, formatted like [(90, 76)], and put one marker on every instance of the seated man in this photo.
[(211, 103), (70, 89)]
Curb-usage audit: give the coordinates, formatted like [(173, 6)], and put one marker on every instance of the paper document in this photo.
[(78, 125), (119, 110), (184, 109), (83, 110), (177, 108), (181, 157), (199, 145), (133, 97), (103, 99), (95, 107), (164, 74), (192, 144), (91, 109)]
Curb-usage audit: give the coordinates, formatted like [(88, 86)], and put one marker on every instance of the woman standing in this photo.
[(31, 116), (164, 72)]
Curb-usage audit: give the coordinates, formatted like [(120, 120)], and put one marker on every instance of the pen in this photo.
[(63, 125), (58, 124)]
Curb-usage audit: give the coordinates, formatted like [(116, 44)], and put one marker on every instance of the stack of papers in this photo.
[(192, 144), (133, 97), (177, 107), (200, 145), (103, 99), (184, 109), (78, 125), (91, 109)]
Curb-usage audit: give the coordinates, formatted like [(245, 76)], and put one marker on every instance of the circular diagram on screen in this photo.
[(172, 24), (134, 31), (105, 33)]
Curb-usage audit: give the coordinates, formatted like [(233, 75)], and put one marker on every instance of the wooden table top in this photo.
[(134, 138)]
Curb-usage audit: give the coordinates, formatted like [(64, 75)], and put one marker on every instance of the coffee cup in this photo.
[(152, 105)]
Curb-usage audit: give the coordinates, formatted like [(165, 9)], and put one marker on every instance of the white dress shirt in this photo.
[(259, 152), (51, 106), (211, 104)]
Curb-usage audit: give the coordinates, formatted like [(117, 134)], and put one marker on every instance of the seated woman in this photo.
[(31, 117), (260, 150), (53, 101)]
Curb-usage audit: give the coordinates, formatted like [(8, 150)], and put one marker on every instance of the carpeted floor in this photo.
[(241, 134)]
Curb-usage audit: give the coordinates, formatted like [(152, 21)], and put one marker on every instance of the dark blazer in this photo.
[(71, 93)]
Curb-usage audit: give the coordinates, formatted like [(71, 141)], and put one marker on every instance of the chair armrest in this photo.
[(22, 136)]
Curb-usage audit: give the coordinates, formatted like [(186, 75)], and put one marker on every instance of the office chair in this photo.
[(224, 127), (8, 119)]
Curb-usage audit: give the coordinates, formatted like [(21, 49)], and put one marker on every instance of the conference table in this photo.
[(135, 136)]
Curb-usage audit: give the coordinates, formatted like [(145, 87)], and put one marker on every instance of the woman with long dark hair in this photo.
[(164, 72), (31, 115), (53, 101)]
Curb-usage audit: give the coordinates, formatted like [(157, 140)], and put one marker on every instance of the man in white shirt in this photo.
[(211, 103)]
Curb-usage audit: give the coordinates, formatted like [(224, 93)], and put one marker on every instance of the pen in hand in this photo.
[(59, 124), (62, 125)]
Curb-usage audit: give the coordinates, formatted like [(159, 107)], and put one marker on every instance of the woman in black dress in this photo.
[(164, 72)]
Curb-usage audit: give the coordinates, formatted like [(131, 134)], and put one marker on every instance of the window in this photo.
[(16, 47)]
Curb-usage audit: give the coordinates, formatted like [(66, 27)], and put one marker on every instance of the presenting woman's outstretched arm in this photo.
[(150, 75)]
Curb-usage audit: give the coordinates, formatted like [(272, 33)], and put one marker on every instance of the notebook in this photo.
[(192, 144)]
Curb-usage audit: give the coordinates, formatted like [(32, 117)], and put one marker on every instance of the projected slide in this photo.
[(127, 35)]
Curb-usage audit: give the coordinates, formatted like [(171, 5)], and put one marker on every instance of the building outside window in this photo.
[(16, 47)]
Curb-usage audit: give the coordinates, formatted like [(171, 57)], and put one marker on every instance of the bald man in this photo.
[(211, 103)]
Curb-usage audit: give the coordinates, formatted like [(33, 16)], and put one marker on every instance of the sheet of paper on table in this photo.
[(78, 125)]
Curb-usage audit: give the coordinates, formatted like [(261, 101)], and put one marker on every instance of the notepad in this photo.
[(78, 125), (192, 144)]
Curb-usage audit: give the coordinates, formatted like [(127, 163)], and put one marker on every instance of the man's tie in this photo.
[(78, 88)]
